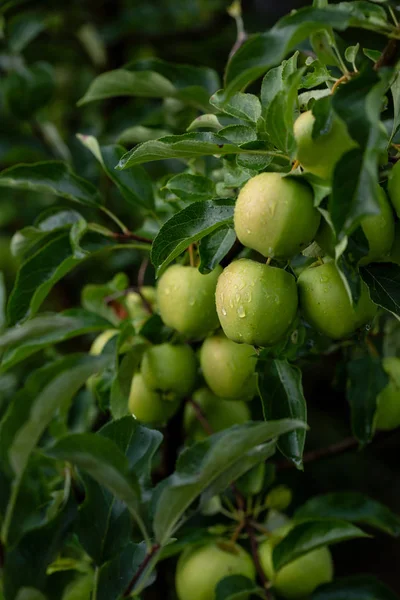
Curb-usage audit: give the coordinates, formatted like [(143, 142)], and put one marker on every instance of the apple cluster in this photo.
[(220, 319)]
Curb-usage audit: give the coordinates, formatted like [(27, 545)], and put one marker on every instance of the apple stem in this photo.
[(268, 260), (341, 79), (295, 165), (256, 559), (155, 548), (200, 416), (191, 255)]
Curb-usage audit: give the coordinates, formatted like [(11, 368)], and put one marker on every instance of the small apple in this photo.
[(251, 483), (170, 370), (301, 577), (229, 368), (101, 341), (320, 155), (387, 415), (256, 303), (379, 231), (275, 215), (186, 301), (394, 187), (326, 305), (200, 569), (220, 414), (136, 308), (148, 406)]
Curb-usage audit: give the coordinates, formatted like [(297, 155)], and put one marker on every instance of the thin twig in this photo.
[(129, 236), (140, 282), (338, 82), (389, 55), (155, 548), (200, 416), (191, 255), (256, 559), (235, 11)]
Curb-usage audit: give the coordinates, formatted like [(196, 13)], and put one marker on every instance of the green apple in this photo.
[(186, 301), (220, 414), (275, 215), (379, 231), (387, 414), (320, 155), (326, 305), (394, 187), (229, 368), (301, 577), (251, 483), (170, 370), (101, 341), (136, 309), (147, 405), (200, 569), (256, 303)]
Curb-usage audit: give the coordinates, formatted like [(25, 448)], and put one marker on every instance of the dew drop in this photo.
[(247, 297), (248, 230), (167, 291), (241, 312), (192, 301), (324, 279), (223, 310), (237, 297)]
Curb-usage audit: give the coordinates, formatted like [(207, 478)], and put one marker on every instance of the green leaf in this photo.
[(242, 106), (214, 247), (102, 459), (26, 562), (113, 523), (237, 587), (121, 383), (188, 145), (366, 379), (261, 52), (134, 185), (383, 281), (189, 225), (282, 397), (28, 90), (28, 593), (310, 535), (38, 275), (122, 82), (191, 188), (355, 190), (23, 29), (202, 464), (354, 507), (94, 296), (395, 89), (208, 121), (24, 340), (51, 177), (358, 587)]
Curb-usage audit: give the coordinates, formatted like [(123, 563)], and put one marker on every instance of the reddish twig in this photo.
[(200, 416), (140, 282), (155, 548), (256, 559)]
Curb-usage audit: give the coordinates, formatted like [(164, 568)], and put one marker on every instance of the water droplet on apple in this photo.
[(223, 310), (241, 312)]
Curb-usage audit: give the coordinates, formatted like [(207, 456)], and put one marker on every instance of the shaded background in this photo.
[(83, 38)]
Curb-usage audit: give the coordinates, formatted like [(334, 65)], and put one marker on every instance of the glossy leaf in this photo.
[(358, 587), (103, 460), (51, 177), (354, 507), (202, 464), (24, 28), (214, 247), (237, 587), (135, 185), (242, 106), (311, 535), (383, 281), (42, 331), (355, 182), (366, 379), (263, 51), (188, 145), (282, 397), (3, 302), (189, 225), (191, 188)]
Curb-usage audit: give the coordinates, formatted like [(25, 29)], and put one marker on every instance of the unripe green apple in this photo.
[(275, 215), (387, 414), (220, 414), (326, 305), (229, 368), (199, 570), (170, 370), (319, 156), (256, 303), (147, 405), (301, 577), (186, 301), (394, 187), (101, 341), (379, 231), (251, 483)]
